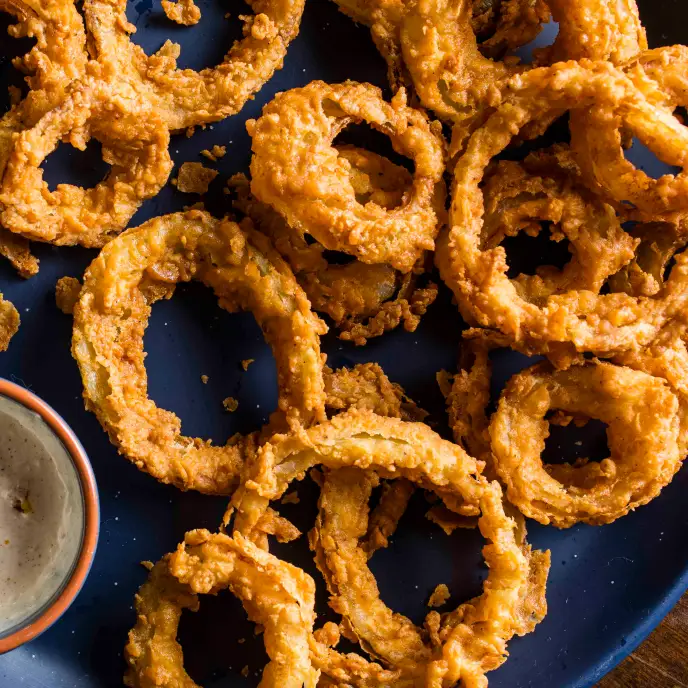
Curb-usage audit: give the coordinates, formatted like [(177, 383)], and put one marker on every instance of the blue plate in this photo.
[(609, 586)]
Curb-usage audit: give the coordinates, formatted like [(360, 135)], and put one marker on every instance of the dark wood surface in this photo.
[(661, 661)]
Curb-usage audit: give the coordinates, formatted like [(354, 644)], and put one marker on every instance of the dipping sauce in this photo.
[(41, 514)]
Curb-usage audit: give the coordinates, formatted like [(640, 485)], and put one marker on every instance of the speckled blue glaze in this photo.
[(608, 587)]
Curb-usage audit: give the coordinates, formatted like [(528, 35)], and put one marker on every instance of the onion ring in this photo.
[(295, 132), (545, 186), (134, 144), (580, 320), (644, 453), (141, 266), (596, 138), (365, 386), (365, 301), (393, 638), (57, 58), (182, 97), (278, 596)]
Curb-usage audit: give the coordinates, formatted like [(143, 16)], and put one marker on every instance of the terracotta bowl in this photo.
[(46, 616)]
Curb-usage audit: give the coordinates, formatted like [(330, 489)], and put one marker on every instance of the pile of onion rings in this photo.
[(341, 231)]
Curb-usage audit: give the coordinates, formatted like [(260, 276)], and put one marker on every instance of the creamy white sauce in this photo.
[(41, 514)]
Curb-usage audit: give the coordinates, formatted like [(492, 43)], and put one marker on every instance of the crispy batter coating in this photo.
[(184, 12), (449, 73), (215, 153), (501, 24), (9, 323), (580, 320), (296, 170), (183, 97), (658, 243), (515, 583), (440, 595), (194, 177), (140, 267), (641, 414), (67, 291), (275, 594), (595, 30), (546, 187), (596, 137), (57, 57), (392, 447), (365, 301), (18, 251), (365, 386), (134, 144)]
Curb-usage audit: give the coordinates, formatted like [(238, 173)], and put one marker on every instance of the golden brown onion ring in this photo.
[(580, 320), (365, 386), (469, 395), (278, 596), (135, 145), (641, 414), (57, 58), (365, 301), (296, 170), (343, 521), (183, 97), (596, 138), (545, 187), (143, 265)]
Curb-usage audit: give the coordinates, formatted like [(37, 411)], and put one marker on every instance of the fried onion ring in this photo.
[(519, 196), (278, 596), (296, 170), (342, 522), (134, 143), (365, 301), (141, 266), (184, 97), (597, 140), (581, 320), (57, 58), (641, 414)]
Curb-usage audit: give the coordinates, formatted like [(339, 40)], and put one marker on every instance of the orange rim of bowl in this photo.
[(89, 491)]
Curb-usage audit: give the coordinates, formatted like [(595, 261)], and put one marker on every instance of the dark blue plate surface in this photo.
[(608, 586)]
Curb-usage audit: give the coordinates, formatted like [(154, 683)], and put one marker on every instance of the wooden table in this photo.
[(661, 661)]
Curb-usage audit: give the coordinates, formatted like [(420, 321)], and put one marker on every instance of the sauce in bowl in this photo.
[(48, 516)]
